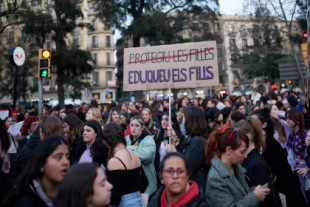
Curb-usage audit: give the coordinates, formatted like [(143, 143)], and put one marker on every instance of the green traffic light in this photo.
[(44, 73)]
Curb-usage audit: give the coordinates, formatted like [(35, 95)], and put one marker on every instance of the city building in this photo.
[(97, 39)]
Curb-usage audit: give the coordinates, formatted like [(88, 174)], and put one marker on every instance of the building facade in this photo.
[(97, 39)]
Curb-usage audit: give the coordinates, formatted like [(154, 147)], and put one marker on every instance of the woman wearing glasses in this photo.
[(177, 189), (226, 184)]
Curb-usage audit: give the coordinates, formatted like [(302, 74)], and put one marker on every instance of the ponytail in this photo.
[(212, 146)]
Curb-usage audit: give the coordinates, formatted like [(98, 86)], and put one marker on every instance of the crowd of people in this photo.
[(218, 151)]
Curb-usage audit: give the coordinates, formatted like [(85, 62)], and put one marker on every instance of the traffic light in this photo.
[(44, 63)]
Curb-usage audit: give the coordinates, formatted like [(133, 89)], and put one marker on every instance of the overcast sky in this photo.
[(231, 7)]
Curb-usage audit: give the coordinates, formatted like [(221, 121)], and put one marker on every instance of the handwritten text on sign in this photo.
[(189, 65)]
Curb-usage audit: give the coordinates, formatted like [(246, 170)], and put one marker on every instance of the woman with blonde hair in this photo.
[(94, 114), (257, 169), (148, 119), (114, 116)]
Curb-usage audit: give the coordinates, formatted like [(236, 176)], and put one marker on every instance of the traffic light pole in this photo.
[(40, 97), (15, 95)]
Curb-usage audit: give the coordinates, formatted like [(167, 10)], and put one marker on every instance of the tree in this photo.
[(72, 64), (286, 12), (263, 57)]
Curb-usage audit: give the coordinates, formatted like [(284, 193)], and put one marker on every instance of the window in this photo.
[(242, 30), (34, 3), (107, 27), (206, 26), (108, 59), (217, 27), (76, 43), (232, 43), (276, 27), (94, 8), (244, 43), (0, 7), (107, 41), (95, 78), (109, 75), (234, 58), (230, 28), (256, 42), (94, 55), (94, 42), (49, 2), (94, 25)]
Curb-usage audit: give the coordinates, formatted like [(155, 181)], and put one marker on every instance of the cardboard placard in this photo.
[(188, 65)]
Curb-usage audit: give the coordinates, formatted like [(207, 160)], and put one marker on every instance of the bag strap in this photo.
[(13, 141)]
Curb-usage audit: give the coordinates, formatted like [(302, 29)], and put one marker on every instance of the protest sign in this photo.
[(188, 65)]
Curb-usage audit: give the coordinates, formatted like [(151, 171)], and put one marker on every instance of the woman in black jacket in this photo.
[(161, 139), (194, 144), (257, 169), (276, 157), (73, 129)]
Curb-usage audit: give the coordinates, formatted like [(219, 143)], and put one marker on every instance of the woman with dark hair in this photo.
[(38, 183), (123, 168), (281, 128), (276, 158), (226, 185), (296, 146), (162, 138), (157, 111), (211, 118), (257, 169), (224, 118), (94, 148), (73, 128), (235, 117), (177, 189), (240, 106), (26, 151), (194, 144), (141, 142), (84, 185), (4, 147)]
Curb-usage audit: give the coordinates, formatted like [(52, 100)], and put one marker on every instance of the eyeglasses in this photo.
[(170, 172)]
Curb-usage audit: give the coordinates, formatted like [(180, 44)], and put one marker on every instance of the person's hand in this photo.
[(174, 138), (261, 192), (308, 138), (171, 148), (302, 171)]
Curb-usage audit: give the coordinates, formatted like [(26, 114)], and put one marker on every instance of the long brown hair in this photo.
[(253, 126), (278, 126), (75, 127)]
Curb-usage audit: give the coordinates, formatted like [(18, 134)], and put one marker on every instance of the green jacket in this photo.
[(146, 151)]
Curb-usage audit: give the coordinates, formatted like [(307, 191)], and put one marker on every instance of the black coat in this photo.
[(194, 151), (25, 152), (198, 201), (76, 149), (259, 173), (287, 182), (29, 199)]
